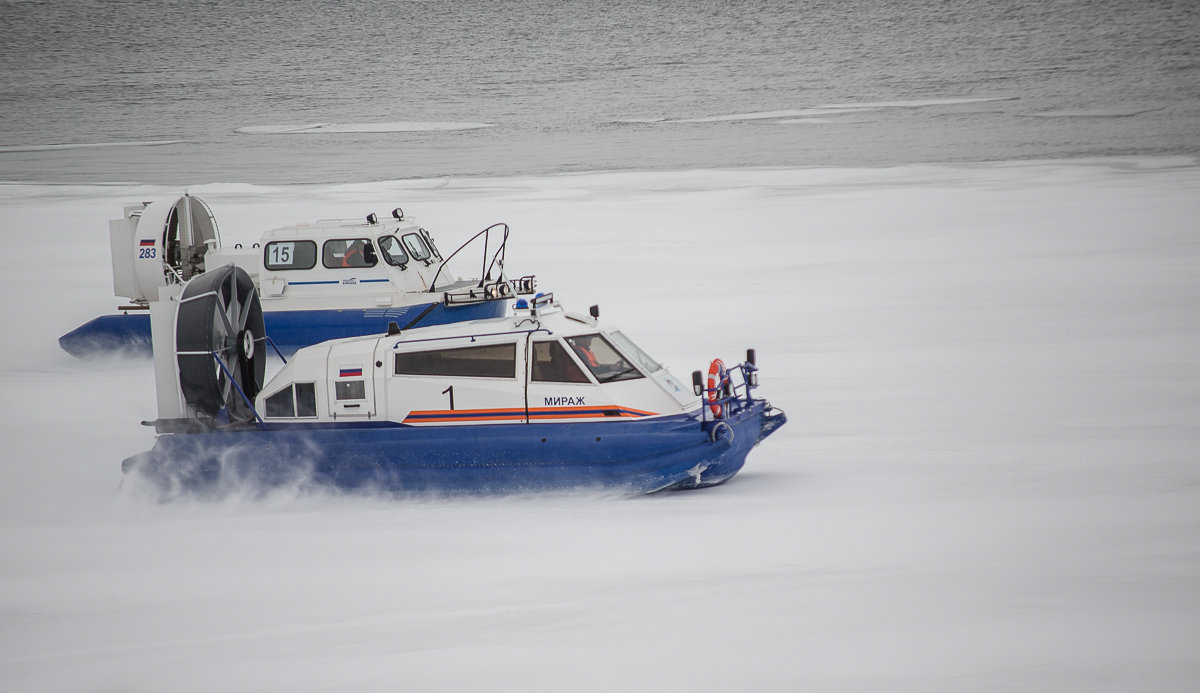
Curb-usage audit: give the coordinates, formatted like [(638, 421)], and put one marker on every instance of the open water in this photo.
[(314, 91)]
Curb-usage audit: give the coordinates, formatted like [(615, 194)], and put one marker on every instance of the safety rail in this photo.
[(726, 397), (485, 274), (471, 337), (493, 291)]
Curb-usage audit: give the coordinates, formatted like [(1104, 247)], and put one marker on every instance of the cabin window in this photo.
[(297, 400), (281, 403), (350, 389), (493, 361), (393, 251), (348, 252), (306, 399), (290, 255), (416, 246), (552, 364), (605, 362)]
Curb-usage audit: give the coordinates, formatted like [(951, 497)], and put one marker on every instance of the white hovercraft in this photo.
[(320, 281), (542, 399)]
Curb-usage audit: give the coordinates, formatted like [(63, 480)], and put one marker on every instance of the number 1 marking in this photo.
[(450, 391)]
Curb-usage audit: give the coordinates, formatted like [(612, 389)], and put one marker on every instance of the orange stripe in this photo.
[(582, 415), (513, 413), (450, 412), (625, 411), (467, 419)]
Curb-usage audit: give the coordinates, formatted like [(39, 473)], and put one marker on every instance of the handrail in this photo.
[(734, 401), (173, 272), (500, 252), (485, 274), (471, 337)]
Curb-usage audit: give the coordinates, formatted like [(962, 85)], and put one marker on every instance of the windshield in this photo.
[(416, 246), (605, 362), (393, 252), (632, 349)]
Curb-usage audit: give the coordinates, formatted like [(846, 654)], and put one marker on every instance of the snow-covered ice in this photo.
[(990, 479)]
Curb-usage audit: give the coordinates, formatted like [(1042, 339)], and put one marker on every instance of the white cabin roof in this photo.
[(339, 228)]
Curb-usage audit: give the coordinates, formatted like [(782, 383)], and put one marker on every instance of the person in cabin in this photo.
[(353, 256), (583, 348), (359, 254)]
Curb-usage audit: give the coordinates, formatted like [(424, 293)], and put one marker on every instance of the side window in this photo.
[(290, 255), (605, 362), (280, 403), (297, 400), (416, 246), (350, 389), (494, 361), (306, 399), (552, 364), (393, 251), (634, 350), (348, 252)]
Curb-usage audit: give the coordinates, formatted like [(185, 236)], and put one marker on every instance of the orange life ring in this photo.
[(717, 377)]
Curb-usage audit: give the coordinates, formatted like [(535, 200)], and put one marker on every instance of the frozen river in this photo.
[(989, 481)]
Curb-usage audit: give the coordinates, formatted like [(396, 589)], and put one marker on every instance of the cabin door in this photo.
[(558, 388), (351, 381)]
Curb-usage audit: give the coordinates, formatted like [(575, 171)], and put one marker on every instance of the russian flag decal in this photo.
[(350, 372), (146, 243)]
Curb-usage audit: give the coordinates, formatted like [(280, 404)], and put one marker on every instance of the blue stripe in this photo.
[(467, 415), (289, 329), (336, 281), (590, 411), (560, 413)]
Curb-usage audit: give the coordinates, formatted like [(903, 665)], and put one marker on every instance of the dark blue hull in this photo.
[(642, 456), (289, 329)]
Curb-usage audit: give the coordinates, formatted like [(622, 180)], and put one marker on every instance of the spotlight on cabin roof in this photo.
[(372, 219), (398, 214)]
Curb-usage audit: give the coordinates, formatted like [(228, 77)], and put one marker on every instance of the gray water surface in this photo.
[(191, 92)]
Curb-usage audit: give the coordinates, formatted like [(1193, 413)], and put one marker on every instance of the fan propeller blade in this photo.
[(217, 311)]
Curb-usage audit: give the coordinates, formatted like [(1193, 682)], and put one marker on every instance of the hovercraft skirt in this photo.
[(674, 452)]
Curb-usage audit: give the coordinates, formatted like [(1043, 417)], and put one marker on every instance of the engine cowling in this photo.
[(160, 242)]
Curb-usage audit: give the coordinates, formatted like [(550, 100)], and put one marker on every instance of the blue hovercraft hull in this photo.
[(290, 330), (677, 452)]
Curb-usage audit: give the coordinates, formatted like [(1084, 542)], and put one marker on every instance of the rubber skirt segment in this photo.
[(219, 312)]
